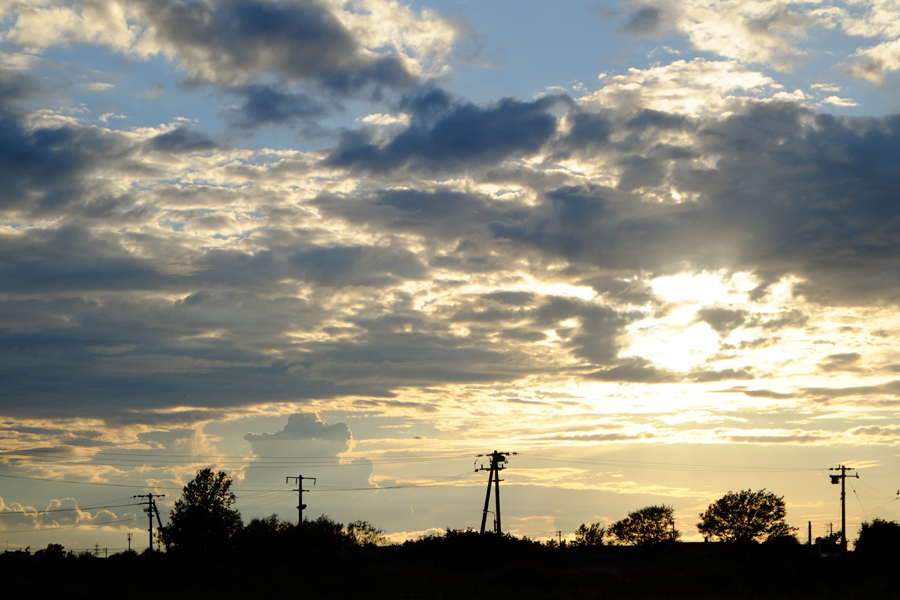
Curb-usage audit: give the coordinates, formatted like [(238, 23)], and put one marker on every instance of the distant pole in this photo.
[(809, 533), (129, 542), (300, 506), (842, 478), (497, 463)]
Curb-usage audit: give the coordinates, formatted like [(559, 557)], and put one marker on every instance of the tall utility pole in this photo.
[(497, 464), (151, 510), (842, 479), (300, 506)]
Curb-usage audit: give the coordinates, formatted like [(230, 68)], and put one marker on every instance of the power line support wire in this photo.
[(497, 463)]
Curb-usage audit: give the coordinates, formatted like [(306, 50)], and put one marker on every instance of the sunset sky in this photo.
[(652, 247)]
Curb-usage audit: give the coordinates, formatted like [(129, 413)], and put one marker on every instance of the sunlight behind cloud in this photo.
[(704, 288)]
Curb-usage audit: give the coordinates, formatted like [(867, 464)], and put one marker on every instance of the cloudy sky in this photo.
[(650, 246)]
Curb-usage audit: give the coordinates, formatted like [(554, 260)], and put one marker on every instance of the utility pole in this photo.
[(151, 510), (497, 464), (842, 479), (300, 506)]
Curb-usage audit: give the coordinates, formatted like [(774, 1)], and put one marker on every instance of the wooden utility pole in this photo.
[(151, 510), (842, 479), (497, 464), (300, 506)]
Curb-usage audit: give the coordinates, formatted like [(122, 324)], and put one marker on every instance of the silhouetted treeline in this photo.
[(325, 559)]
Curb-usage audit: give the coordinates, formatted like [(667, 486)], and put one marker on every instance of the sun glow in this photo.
[(705, 287)]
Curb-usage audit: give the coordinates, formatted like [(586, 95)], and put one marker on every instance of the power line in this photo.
[(36, 513), (670, 466), (5, 531)]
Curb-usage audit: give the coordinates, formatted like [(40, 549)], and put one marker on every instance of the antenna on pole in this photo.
[(842, 479), (497, 463)]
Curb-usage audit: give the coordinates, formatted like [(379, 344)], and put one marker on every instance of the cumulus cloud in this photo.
[(259, 50), (311, 442), (60, 513)]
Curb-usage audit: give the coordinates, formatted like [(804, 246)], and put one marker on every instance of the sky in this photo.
[(650, 247)]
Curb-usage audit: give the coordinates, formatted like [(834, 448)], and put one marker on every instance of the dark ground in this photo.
[(466, 568)]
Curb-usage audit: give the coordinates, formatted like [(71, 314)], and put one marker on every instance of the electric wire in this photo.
[(866, 512), (35, 513), (672, 466), (5, 531)]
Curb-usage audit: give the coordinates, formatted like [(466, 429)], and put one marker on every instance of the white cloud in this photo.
[(697, 87)]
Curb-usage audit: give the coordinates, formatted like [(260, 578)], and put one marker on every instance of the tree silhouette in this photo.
[(364, 533), (646, 527), (589, 535), (203, 520), (878, 538), (745, 516)]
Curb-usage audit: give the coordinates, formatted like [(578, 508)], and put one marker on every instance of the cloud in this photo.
[(874, 63), (182, 140), (267, 105), (261, 50), (60, 513), (841, 362), (682, 87), (722, 320), (314, 444), (447, 136), (306, 426), (647, 21), (634, 370)]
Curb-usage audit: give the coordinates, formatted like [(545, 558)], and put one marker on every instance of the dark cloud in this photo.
[(841, 362), (702, 376), (72, 259), (722, 320), (267, 105), (891, 388), (632, 291), (766, 394), (587, 132), (459, 136), (787, 318), (647, 21), (182, 140), (357, 265), (232, 43), (634, 370), (792, 193), (511, 298), (44, 169), (795, 438), (15, 87)]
